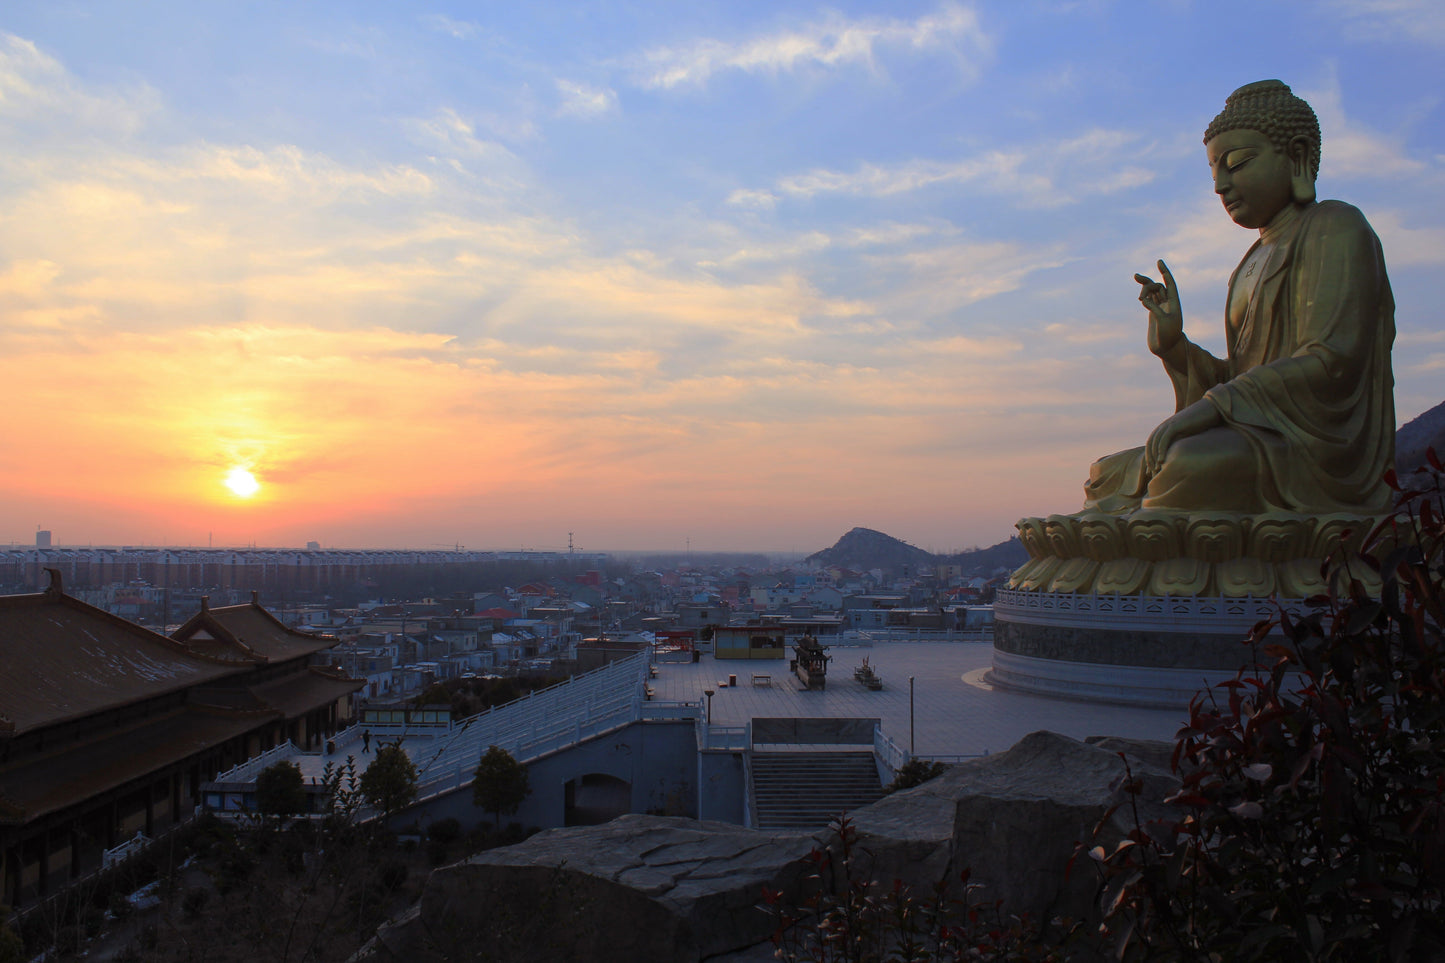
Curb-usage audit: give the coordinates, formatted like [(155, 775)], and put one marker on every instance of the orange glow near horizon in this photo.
[(384, 438)]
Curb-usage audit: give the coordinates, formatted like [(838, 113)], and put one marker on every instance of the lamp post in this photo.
[(708, 693), (911, 748)]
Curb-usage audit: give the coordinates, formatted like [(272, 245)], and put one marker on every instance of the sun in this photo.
[(242, 483)]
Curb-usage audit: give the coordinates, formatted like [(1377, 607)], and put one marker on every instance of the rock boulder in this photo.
[(666, 888), (636, 888)]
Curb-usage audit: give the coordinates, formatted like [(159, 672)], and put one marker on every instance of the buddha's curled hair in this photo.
[(1271, 108)]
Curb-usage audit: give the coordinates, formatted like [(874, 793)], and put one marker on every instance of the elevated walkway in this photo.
[(546, 721)]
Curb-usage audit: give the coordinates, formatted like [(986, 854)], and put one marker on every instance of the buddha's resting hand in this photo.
[(1198, 417), (1166, 316)]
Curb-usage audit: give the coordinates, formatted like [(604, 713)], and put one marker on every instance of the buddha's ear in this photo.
[(1301, 153)]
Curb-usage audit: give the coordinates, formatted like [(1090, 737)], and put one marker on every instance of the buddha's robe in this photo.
[(1306, 394)]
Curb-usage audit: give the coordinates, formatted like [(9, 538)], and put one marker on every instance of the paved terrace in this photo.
[(956, 712)]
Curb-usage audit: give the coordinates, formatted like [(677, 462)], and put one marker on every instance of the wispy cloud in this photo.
[(763, 200), (440, 22), (1044, 175), (35, 87), (455, 139), (584, 100), (1197, 240), (835, 42), (945, 278), (1352, 149), (1420, 21), (1406, 244)]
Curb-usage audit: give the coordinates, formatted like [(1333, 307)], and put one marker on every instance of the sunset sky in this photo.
[(733, 275)]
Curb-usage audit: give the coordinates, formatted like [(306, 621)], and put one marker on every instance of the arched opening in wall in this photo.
[(595, 798)]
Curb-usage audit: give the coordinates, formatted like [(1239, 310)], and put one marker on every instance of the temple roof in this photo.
[(297, 694), (64, 659), (246, 633)]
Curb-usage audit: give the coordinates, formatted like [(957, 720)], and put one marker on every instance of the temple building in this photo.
[(108, 729)]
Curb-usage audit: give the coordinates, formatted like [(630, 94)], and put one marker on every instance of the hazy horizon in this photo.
[(733, 277)]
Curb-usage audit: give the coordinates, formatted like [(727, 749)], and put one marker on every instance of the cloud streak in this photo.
[(1044, 175), (836, 42)]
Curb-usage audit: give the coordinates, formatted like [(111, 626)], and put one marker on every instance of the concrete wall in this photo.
[(796, 731), (721, 785), (658, 760)]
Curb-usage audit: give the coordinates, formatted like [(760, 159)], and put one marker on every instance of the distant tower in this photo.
[(42, 538), (313, 546)]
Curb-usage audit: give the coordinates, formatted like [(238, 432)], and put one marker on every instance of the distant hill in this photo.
[(863, 549), (1414, 437), (1008, 554)]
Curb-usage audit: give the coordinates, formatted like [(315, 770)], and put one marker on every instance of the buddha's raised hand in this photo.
[(1166, 317)]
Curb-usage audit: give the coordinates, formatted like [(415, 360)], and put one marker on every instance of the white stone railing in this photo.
[(750, 819), (251, 768), (903, 633), (124, 851), (724, 737), (889, 755)]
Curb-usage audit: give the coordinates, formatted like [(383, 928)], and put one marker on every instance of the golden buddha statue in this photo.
[(1299, 417), (1275, 456)]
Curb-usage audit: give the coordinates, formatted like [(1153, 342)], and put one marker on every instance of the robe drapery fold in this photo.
[(1307, 388)]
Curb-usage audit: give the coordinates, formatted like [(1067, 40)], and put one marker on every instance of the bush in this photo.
[(445, 831), (1312, 812), (845, 914), (393, 875), (12, 948), (437, 852), (281, 789), (119, 906), (194, 902), (915, 772)]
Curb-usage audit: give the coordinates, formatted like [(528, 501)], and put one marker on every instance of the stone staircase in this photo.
[(806, 790)]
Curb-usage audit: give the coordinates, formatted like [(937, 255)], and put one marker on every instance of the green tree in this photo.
[(389, 783), (500, 783), (280, 789)]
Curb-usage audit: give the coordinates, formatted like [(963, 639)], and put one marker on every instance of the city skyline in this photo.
[(729, 278)]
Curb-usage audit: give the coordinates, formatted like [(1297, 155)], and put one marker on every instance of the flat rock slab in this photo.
[(636, 888)]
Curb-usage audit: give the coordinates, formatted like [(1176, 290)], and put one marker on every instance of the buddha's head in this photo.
[(1264, 152)]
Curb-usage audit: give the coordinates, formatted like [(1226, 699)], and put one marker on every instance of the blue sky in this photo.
[(742, 274)]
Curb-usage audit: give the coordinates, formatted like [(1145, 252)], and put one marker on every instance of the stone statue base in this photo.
[(1130, 649), (1149, 607), (1175, 553)]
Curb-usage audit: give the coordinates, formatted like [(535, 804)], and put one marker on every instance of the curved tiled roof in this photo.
[(246, 633), (62, 659)]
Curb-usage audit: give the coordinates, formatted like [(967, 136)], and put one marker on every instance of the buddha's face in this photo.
[(1251, 176)]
